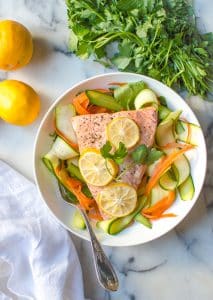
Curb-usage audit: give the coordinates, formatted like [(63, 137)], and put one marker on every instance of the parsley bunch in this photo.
[(154, 37), (140, 155)]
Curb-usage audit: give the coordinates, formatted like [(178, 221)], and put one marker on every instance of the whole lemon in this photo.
[(16, 45), (19, 103)]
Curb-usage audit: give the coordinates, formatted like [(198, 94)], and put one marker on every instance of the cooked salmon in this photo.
[(91, 133)]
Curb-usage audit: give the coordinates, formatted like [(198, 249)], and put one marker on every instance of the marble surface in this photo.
[(179, 265)]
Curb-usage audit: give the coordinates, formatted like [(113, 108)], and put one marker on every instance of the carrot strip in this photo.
[(94, 109), (80, 109), (161, 205), (169, 215), (103, 91), (81, 103), (82, 98), (94, 213), (117, 83), (163, 165), (84, 201), (157, 210), (172, 145), (189, 133), (76, 187)]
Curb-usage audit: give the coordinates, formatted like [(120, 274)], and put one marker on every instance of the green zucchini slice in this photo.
[(167, 181), (187, 189), (103, 100)]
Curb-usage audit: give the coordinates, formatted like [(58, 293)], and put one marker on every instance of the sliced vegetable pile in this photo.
[(158, 38), (104, 180)]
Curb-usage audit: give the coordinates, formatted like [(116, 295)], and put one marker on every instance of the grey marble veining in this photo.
[(178, 265)]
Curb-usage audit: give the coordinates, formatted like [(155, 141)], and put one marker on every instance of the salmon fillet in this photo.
[(91, 133)]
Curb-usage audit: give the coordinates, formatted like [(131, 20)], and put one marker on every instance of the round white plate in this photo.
[(137, 233)]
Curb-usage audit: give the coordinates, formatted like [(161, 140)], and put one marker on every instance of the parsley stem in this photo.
[(93, 10), (106, 38), (155, 36), (108, 170), (174, 77)]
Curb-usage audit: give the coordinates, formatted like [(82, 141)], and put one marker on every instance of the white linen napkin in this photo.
[(37, 257)]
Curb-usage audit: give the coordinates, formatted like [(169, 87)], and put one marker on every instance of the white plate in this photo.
[(135, 234)]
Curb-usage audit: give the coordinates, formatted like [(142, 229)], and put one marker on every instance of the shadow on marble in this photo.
[(41, 51)]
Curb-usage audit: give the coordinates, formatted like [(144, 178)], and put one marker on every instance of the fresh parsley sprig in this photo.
[(141, 155), (145, 156), (118, 156)]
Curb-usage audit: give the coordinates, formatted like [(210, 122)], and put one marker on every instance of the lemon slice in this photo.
[(95, 169), (117, 199), (125, 130)]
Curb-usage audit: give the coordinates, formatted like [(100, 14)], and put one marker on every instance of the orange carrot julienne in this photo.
[(161, 205), (81, 103), (169, 215), (94, 109), (189, 133), (163, 165), (82, 107), (76, 188), (117, 83), (94, 213), (103, 90), (173, 145), (156, 211), (82, 98), (84, 201)]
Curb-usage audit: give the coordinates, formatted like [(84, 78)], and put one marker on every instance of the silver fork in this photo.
[(104, 270)]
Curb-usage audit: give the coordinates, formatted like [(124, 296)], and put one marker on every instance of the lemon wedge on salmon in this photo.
[(95, 169), (117, 199), (125, 130)]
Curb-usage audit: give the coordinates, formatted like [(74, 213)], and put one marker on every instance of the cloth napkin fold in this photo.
[(37, 257)]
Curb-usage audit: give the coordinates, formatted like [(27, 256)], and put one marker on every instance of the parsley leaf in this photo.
[(105, 150), (153, 156), (143, 155), (140, 154), (118, 156)]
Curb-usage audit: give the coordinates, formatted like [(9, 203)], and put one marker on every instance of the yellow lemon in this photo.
[(117, 199), (19, 103), (95, 169), (125, 130), (16, 45)]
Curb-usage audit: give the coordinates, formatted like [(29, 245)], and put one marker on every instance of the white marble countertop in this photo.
[(177, 266)]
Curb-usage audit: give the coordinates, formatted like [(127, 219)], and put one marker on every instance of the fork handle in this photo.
[(105, 273)]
